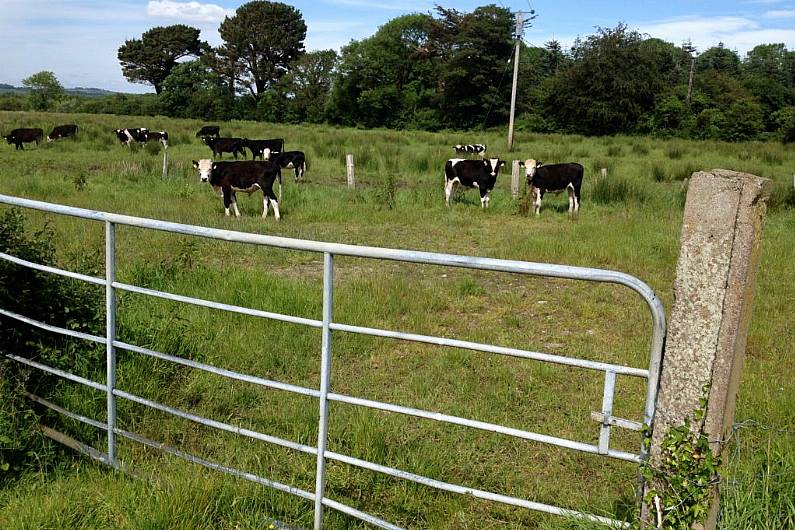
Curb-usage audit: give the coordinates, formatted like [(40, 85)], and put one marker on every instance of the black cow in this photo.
[(20, 136), (276, 145), (295, 160), (160, 136), (130, 135), (481, 174), (478, 149), (220, 146), (62, 131), (209, 130), (555, 178), (227, 178)]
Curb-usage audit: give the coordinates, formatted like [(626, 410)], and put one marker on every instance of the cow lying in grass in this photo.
[(227, 178), (542, 178)]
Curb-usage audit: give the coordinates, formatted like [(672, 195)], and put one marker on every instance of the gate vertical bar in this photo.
[(607, 411), (325, 378), (110, 334)]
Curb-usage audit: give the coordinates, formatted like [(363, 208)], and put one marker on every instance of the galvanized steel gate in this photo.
[(327, 325)]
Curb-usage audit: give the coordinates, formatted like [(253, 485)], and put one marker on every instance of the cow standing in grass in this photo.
[(556, 178), (62, 131), (20, 136), (209, 130), (220, 146), (295, 160), (227, 178), (480, 174)]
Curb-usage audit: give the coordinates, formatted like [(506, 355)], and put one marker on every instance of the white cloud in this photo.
[(392, 6), (738, 33), (189, 11), (781, 13)]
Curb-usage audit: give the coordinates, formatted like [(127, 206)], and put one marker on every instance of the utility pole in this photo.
[(689, 48), (521, 22)]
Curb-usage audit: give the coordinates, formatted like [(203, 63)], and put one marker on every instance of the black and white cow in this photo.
[(62, 131), (295, 160), (481, 174), (258, 147), (160, 136), (477, 149), (209, 130), (130, 135), (554, 178), (227, 178), (20, 136), (220, 146)]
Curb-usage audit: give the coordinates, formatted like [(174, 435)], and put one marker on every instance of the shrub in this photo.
[(785, 119), (55, 300)]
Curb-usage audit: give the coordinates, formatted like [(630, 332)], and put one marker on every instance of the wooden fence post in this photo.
[(713, 294), (165, 162), (604, 172), (516, 176), (351, 177)]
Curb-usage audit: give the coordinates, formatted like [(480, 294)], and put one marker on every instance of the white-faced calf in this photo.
[(554, 178), (480, 174), (227, 178)]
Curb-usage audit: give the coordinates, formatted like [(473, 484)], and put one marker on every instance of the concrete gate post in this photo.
[(713, 295)]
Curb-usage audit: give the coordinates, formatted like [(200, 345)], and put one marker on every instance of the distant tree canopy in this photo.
[(45, 90), (448, 69), (151, 58), (261, 40)]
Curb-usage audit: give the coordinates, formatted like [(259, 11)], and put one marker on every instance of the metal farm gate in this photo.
[(326, 324)]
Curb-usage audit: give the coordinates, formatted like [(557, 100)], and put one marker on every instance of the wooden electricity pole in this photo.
[(690, 49), (521, 22)]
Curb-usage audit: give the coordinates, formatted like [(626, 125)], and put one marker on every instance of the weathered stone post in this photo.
[(713, 295)]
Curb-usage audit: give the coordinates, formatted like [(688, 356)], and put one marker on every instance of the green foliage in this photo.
[(598, 94), (688, 472), (150, 59), (308, 85), (617, 189), (261, 41), (45, 297), (719, 59), (785, 119), (46, 90), (193, 90)]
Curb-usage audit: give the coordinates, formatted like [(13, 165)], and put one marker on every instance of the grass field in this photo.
[(629, 221)]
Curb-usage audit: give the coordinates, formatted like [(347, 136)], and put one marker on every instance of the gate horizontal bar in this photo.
[(218, 305), (77, 445), (53, 270), (481, 425), (463, 490), (215, 466), (54, 329), (500, 350), (251, 477), (248, 433), (60, 373), (68, 413), (219, 371)]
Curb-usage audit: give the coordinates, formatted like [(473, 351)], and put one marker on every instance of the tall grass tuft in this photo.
[(618, 189), (615, 151), (658, 172), (675, 153)]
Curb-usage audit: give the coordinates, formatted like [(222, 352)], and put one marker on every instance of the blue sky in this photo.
[(78, 39)]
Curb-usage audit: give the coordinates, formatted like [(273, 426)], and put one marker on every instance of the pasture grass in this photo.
[(629, 221)]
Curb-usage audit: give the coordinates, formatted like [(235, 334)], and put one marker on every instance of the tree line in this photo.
[(448, 70)]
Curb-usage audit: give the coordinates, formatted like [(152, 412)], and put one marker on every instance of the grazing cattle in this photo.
[(62, 131), (220, 146), (258, 147), (481, 174), (227, 178), (209, 130), (160, 136), (295, 160), (554, 178), (20, 136), (130, 135), (478, 149)]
